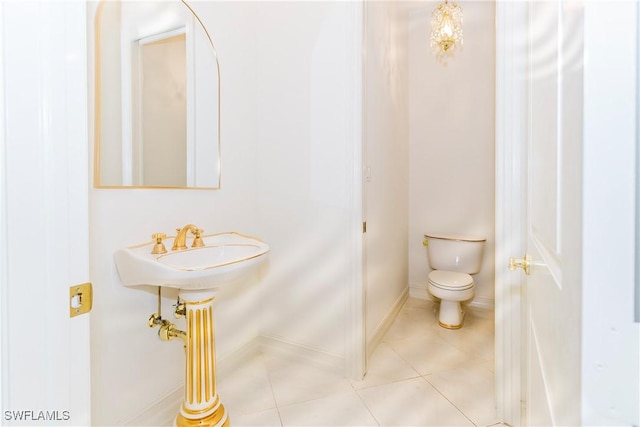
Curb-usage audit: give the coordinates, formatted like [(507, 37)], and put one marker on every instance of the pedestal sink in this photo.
[(198, 273), (223, 258)]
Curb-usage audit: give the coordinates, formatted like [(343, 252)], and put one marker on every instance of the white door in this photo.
[(580, 340), (552, 315), (572, 106), (43, 213)]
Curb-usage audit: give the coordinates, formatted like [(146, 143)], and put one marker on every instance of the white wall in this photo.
[(288, 112), (111, 135), (452, 141), (386, 147), (131, 367), (610, 333), (306, 115)]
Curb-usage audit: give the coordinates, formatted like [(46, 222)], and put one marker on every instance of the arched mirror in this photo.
[(157, 97)]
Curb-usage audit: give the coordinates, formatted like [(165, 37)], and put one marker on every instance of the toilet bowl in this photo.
[(451, 288), (453, 260)]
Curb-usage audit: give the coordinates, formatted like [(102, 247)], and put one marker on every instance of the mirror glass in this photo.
[(157, 115)]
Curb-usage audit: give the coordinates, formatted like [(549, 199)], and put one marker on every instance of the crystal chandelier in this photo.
[(446, 30)]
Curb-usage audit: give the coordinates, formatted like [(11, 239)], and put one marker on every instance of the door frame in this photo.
[(511, 180), (43, 217), (3, 235), (355, 335)]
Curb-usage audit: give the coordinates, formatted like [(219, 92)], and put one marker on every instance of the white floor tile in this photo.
[(295, 381), (476, 337), (336, 410), (471, 390), (421, 310), (411, 402), (429, 354), (412, 322), (490, 365), (420, 375), (269, 417), (246, 389), (385, 366)]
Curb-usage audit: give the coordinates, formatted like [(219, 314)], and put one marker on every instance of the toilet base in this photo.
[(451, 315), (444, 325)]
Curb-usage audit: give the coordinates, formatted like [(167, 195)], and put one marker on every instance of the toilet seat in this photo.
[(450, 280)]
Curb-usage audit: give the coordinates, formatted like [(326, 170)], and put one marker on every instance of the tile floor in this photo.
[(419, 375)]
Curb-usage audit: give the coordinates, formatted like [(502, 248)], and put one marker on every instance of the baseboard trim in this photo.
[(160, 413), (385, 324), (236, 358), (484, 303), (318, 356)]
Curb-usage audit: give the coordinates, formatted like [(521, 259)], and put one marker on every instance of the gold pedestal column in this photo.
[(201, 405)]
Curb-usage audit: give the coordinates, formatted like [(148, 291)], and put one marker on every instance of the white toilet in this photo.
[(453, 260)]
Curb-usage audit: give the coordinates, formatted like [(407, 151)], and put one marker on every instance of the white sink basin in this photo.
[(224, 258)]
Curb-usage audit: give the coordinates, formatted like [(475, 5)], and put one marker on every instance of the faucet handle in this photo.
[(197, 240), (159, 248)]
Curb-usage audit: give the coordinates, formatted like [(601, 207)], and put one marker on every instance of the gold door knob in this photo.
[(523, 263)]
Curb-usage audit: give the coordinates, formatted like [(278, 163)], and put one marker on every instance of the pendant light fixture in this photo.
[(446, 30)]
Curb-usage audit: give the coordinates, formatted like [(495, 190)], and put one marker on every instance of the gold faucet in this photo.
[(159, 248), (179, 243)]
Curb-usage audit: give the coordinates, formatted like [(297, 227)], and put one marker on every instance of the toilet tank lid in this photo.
[(456, 238)]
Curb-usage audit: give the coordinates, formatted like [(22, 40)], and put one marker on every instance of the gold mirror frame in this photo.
[(97, 182)]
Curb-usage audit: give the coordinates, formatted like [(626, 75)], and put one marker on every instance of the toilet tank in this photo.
[(461, 254)]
